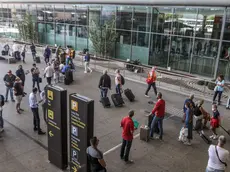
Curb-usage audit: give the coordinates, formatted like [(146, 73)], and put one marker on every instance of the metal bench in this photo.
[(9, 58)]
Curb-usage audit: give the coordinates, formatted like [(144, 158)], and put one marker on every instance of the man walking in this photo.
[(18, 92), (127, 125), (104, 84), (158, 113), (34, 108), (189, 100), (48, 73), (87, 60), (9, 79), (35, 76), (21, 74), (151, 81), (33, 51), (47, 54)]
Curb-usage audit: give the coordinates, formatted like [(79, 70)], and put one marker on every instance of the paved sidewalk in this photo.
[(154, 156)]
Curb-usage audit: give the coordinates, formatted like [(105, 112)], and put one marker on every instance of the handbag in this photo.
[(220, 159)]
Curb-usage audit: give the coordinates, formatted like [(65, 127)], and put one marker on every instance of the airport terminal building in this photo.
[(192, 36)]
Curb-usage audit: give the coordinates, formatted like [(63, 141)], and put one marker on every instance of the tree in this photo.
[(103, 37), (26, 27)]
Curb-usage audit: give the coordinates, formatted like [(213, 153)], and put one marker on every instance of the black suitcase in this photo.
[(129, 94), (117, 100), (105, 102), (3, 52), (37, 59), (68, 77)]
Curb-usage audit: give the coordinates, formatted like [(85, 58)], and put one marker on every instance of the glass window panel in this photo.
[(210, 22), (140, 39), (123, 45), (227, 26), (142, 18), (159, 49), (180, 53), (40, 13), (161, 20), (204, 57), (82, 15), (124, 17), (108, 13)]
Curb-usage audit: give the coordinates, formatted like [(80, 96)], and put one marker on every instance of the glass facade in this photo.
[(195, 40)]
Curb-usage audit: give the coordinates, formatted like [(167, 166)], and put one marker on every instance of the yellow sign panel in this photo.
[(50, 95), (74, 105), (50, 114)]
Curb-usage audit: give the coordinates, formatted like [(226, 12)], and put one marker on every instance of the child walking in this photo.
[(215, 121)]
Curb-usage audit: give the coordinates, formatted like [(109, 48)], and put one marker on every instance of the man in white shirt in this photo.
[(48, 73), (34, 108), (218, 156)]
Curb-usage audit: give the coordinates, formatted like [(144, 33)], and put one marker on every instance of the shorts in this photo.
[(18, 99), (214, 123)]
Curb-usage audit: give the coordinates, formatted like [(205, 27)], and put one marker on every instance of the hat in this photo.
[(9, 71)]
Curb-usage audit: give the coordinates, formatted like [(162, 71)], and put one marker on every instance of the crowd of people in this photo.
[(195, 116)]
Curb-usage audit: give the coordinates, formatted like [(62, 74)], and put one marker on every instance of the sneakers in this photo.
[(214, 137), (147, 96), (41, 132), (91, 71), (85, 71), (188, 143), (129, 162), (1, 130)]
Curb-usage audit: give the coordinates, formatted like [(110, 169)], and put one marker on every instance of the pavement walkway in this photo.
[(154, 156)]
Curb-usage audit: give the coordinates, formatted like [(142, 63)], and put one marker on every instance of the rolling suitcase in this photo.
[(37, 59), (150, 118), (117, 100), (144, 133), (105, 102), (68, 77), (129, 94)]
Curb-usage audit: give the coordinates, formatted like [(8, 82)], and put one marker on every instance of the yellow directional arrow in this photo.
[(51, 134), (74, 169)]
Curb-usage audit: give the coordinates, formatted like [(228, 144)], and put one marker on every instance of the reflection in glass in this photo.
[(124, 17)]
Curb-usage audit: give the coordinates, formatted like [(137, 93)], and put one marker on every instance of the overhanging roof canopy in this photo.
[(217, 3)]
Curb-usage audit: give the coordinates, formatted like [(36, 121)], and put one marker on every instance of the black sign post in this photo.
[(57, 126), (81, 111)]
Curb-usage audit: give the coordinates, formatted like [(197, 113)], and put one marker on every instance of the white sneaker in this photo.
[(215, 137), (211, 136), (91, 71), (85, 71), (1, 130), (146, 95), (187, 143)]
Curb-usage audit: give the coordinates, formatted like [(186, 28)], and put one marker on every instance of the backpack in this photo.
[(122, 80), (2, 100)]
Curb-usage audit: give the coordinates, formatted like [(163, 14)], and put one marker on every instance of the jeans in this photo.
[(36, 118), (125, 149), (104, 92), (11, 93), (36, 80), (118, 89), (219, 95), (228, 103), (34, 56), (157, 121), (44, 109), (49, 80), (149, 87), (208, 169), (1, 119)]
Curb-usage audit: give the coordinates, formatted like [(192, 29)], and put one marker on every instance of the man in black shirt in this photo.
[(18, 92), (33, 51), (35, 76), (104, 84), (21, 74), (9, 79)]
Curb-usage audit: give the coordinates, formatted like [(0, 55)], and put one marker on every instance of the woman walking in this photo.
[(218, 156), (219, 88), (151, 81)]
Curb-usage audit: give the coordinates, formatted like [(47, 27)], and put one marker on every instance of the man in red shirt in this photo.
[(158, 113), (127, 136)]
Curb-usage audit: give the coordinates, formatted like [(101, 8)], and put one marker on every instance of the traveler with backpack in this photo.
[(9, 80), (2, 102), (218, 156), (87, 60), (104, 84), (190, 100), (119, 81), (151, 81), (95, 157)]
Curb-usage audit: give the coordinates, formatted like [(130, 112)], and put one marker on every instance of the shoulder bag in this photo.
[(220, 159)]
